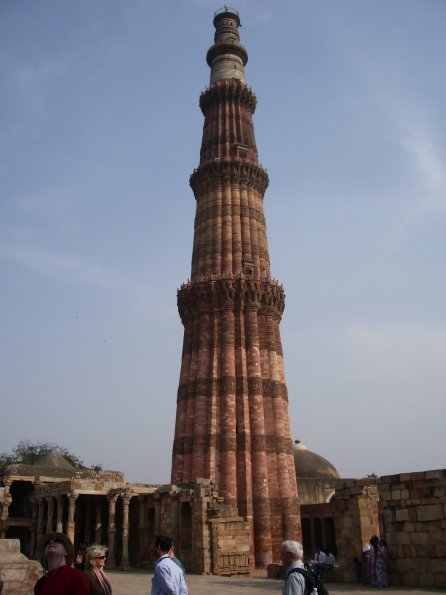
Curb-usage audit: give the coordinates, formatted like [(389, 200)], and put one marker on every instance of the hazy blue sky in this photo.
[(100, 131)]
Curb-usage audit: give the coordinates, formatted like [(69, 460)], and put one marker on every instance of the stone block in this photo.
[(403, 538), (417, 475), (440, 580), (404, 565), (405, 477), (436, 474), (409, 579), (431, 512), (402, 515), (18, 573)]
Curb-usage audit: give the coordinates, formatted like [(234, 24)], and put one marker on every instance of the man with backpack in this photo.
[(299, 580), (291, 554)]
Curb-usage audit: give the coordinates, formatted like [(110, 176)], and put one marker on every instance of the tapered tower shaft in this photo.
[(232, 423)]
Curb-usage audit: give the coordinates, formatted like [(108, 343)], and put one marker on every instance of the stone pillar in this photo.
[(41, 505), (71, 515), (157, 514), (111, 530), (98, 521), (87, 521), (125, 530), (59, 501), (4, 517), (33, 537), (49, 518), (141, 528), (6, 502), (175, 518)]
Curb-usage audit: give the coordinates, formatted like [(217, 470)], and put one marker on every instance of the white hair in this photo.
[(92, 552), (293, 547)]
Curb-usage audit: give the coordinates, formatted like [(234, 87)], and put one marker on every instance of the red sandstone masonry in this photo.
[(232, 422)]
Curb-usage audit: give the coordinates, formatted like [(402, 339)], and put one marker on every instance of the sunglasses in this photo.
[(100, 557), (54, 541)]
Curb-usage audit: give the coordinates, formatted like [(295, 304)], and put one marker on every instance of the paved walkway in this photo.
[(137, 582)]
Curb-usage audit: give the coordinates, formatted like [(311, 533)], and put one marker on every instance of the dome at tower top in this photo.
[(311, 465), (226, 12)]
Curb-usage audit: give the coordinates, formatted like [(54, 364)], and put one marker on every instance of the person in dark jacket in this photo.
[(94, 563)]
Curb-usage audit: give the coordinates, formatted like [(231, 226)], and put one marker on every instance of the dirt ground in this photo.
[(138, 582)]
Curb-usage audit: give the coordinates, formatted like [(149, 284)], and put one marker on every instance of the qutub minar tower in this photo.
[(232, 421)]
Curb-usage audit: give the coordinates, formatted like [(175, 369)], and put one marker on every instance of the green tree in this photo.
[(28, 453)]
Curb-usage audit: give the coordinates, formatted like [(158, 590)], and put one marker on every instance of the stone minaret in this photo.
[(232, 422)]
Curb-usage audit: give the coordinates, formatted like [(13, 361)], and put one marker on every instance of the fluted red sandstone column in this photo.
[(232, 423)]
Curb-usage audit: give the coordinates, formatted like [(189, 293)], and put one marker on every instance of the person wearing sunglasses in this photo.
[(94, 570), (56, 553)]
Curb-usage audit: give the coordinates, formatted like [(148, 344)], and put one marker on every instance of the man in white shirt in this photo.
[(291, 554), (168, 579)]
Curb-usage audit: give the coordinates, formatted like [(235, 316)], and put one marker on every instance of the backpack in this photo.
[(312, 581)]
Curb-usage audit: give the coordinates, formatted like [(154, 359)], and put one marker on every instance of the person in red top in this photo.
[(57, 555)]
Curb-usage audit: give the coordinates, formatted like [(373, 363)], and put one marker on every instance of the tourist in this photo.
[(291, 554), (175, 559), (319, 566), (79, 561), (57, 556), (358, 569), (168, 578), (378, 563), (331, 560), (95, 561)]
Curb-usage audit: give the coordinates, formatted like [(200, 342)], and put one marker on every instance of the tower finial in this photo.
[(227, 57)]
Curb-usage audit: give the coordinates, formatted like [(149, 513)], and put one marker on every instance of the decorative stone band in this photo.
[(213, 174), (228, 89), (239, 293), (218, 210), (269, 388), (269, 444), (228, 48)]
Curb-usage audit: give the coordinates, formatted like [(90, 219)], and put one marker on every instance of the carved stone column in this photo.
[(111, 530), (33, 536), (98, 521), (71, 515), (157, 514), (41, 505), (6, 502), (125, 530), (87, 521), (142, 511), (49, 518), (175, 519), (59, 527)]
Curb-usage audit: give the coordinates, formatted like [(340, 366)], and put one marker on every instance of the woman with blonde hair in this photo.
[(94, 570)]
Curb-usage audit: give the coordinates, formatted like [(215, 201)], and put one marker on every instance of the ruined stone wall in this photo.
[(18, 574), (356, 520), (210, 536), (229, 541), (413, 522)]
